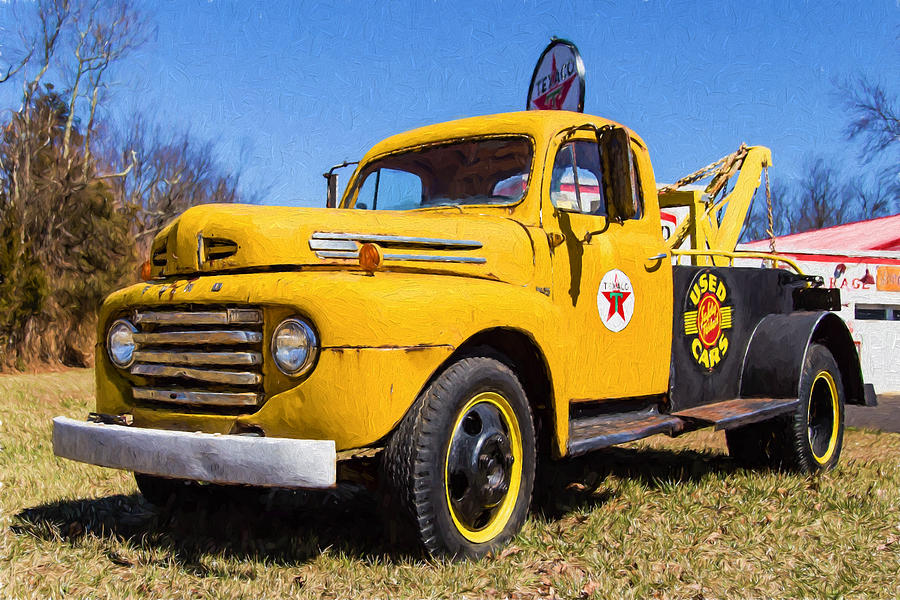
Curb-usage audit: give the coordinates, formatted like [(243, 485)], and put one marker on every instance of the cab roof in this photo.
[(539, 124)]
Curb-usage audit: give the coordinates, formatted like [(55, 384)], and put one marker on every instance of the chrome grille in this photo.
[(199, 357)]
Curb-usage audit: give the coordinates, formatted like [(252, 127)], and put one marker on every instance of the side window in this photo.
[(575, 184), (390, 189), (366, 197), (512, 188), (398, 190)]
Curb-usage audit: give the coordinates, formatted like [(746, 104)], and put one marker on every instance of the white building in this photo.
[(863, 260)]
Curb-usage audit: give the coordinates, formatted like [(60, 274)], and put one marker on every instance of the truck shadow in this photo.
[(279, 525), (295, 527), (578, 483)]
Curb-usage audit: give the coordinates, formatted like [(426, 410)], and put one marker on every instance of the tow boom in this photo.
[(716, 218)]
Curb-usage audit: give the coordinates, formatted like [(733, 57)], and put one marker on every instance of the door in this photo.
[(615, 299)]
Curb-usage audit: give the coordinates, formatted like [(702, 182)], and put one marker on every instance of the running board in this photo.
[(738, 412), (595, 432)]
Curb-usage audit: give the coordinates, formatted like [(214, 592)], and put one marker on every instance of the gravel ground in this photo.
[(885, 416)]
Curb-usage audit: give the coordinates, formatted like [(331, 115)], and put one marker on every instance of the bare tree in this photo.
[(65, 244), (822, 200), (52, 16), (172, 172), (16, 66), (875, 122), (875, 118), (783, 218), (870, 201), (103, 34)]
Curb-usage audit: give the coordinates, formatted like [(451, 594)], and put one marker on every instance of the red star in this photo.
[(616, 301), (554, 97)]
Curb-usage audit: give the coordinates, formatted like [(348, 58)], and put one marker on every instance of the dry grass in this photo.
[(663, 518)]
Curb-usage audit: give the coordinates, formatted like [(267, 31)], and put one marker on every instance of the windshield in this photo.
[(485, 171)]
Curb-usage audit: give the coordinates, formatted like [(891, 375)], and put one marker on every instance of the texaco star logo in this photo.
[(615, 300)]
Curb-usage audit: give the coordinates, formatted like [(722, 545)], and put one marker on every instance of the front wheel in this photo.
[(162, 491), (459, 470)]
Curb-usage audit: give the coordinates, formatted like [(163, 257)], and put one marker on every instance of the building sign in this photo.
[(888, 279), (558, 79), (707, 317)]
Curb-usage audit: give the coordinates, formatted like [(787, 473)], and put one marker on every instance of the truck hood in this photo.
[(221, 238)]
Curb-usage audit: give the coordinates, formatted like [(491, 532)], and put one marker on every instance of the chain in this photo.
[(720, 168), (771, 229)]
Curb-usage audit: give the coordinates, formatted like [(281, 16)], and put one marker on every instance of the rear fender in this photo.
[(777, 351)]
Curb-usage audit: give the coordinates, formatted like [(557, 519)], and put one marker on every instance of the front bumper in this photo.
[(261, 461)]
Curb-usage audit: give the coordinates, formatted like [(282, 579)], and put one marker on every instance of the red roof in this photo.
[(873, 235)]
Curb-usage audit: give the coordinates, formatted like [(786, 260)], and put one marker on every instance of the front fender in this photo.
[(382, 338)]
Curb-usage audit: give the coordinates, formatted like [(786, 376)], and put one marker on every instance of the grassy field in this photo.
[(659, 519)]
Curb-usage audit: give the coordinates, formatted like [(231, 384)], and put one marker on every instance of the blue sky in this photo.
[(286, 89)]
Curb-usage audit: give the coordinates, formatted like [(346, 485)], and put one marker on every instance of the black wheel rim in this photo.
[(482, 470), (822, 417)]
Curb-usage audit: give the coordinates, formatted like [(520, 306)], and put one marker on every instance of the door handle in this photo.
[(555, 239), (659, 256)]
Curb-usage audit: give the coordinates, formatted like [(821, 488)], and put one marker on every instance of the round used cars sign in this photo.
[(558, 79)]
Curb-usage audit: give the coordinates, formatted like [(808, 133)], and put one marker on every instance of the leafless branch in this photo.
[(875, 118), (15, 68), (121, 173)]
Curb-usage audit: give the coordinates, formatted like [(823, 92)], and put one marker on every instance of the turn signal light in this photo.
[(145, 271), (370, 257)]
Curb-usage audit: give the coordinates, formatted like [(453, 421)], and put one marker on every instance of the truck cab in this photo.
[(487, 291)]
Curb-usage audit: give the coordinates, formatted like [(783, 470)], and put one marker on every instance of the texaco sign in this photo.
[(558, 79)]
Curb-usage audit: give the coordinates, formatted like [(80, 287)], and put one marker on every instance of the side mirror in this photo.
[(615, 157), (331, 197)]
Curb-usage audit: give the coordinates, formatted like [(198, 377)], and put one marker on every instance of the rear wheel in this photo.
[(817, 429), (754, 445), (459, 470), (811, 438)]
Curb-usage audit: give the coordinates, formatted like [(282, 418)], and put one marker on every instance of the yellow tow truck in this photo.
[(486, 291)]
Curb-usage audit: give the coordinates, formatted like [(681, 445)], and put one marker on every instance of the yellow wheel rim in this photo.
[(483, 467), (823, 417)]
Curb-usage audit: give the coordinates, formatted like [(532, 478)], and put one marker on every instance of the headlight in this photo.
[(120, 343), (294, 346)]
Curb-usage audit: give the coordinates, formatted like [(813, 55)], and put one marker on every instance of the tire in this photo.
[(162, 492), (458, 472), (809, 440), (754, 445)]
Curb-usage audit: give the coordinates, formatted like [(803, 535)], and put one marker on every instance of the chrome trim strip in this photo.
[(231, 377), (338, 254), (397, 239), (228, 317), (332, 244), (199, 358), (196, 397), (195, 338), (439, 258), (436, 258)]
